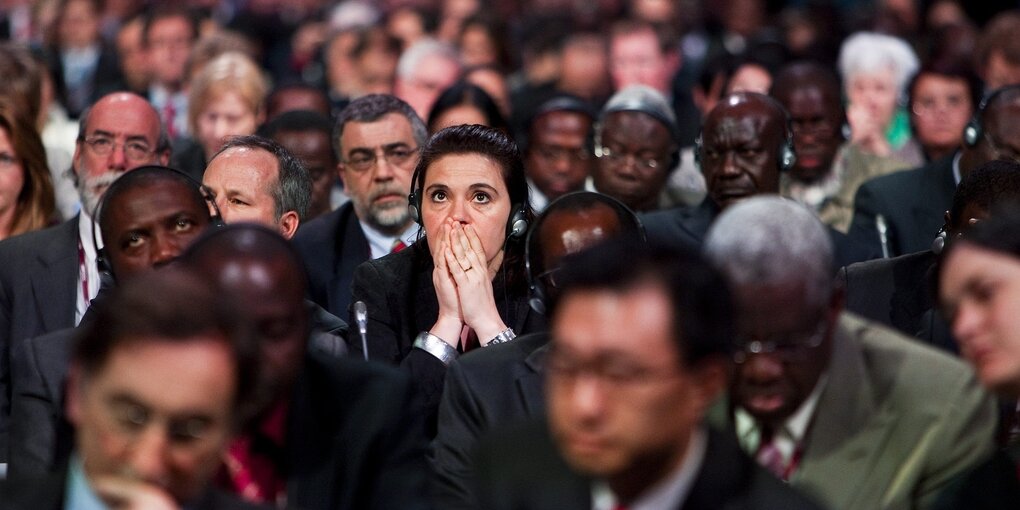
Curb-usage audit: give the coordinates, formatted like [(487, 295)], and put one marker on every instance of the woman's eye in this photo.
[(438, 196), (481, 198)]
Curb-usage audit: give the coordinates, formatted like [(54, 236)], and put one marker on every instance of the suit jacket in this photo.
[(331, 247), (898, 292), (106, 78), (488, 387), (48, 492), (401, 301), (895, 422), (38, 275), (992, 485), (686, 228), (521, 469), (912, 202)]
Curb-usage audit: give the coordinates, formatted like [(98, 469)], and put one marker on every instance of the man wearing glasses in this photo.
[(376, 139), (49, 277), (558, 153), (855, 415)]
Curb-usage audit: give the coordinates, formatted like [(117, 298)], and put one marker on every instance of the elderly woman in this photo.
[(875, 70), (226, 99)]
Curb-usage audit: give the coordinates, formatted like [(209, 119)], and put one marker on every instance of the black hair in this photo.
[(703, 313), (297, 121), (985, 187), (463, 93), (371, 108)]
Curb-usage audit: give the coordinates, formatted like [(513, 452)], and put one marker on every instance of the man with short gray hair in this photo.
[(847, 411), (377, 140)]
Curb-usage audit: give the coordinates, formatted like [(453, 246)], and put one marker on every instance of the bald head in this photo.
[(741, 141), (811, 94)]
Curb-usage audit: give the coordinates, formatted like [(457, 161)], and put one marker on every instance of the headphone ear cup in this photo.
[(787, 157), (972, 133), (517, 226), (412, 207), (939, 243), (697, 152)]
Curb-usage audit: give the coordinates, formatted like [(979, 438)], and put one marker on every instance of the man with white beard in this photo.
[(48, 277), (377, 140)]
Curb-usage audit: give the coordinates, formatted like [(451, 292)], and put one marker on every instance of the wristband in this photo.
[(503, 337), (435, 346)]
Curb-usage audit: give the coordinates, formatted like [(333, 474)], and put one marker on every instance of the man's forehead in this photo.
[(387, 129)]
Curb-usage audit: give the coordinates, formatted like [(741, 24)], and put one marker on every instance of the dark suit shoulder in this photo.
[(322, 230), (496, 357), (29, 243), (680, 227)]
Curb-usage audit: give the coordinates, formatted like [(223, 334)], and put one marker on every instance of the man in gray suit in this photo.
[(855, 415)]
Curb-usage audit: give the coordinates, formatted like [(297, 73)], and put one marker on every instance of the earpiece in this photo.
[(517, 224), (786, 158), (974, 130), (939, 243)]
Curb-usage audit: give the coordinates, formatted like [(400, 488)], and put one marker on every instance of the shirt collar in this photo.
[(667, 493), (795, 427), (381, 244), (80, 495)]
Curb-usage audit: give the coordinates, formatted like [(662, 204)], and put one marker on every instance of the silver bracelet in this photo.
[(435, 346), (503, 337)]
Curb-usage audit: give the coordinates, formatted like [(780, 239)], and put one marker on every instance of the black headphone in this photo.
[(787, 156), (536, 287), (516, 224), (102, 261), (974, 130)]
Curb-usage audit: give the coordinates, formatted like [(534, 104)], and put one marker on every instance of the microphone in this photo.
[(361, 318), (883, 234)]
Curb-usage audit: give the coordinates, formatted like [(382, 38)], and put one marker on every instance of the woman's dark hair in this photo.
[(463, 93), (35, 206), (496, 146), (949, 69)]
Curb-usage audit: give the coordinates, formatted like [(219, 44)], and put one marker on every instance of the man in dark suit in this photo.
[(899, 291), (503, 384), (329, 433), (139, 442), (377, 138), (48, 277), (149, 216), (826, 400), (901, 212), (639, 340)]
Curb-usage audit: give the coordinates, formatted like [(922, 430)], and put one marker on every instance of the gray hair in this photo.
[(770, 240), (371, 108), (418, 51), (292, 190), (873, 53), (643, 99)]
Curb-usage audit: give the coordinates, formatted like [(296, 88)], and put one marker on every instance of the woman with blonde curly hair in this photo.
[(26, 192)]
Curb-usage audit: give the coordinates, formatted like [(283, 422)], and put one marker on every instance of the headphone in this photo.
[(975, 131), (102, 261), (787, 156), (537, 291), (516, 224)]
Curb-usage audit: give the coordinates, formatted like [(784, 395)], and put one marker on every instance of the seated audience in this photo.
[(558, 149), (825, 400), (943, 97), (308, 135), (638, 354)]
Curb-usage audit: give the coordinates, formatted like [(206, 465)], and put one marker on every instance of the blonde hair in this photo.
[(230, 72)]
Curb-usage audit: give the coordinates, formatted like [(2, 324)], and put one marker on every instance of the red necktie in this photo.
[(169, 112), (397, 246)]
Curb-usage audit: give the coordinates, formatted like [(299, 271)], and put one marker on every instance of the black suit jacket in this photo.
[(401, 301), (488, 387), (38, 275), (913, 203), (106, 78), (520, 468), (331, 247), (898, 292)]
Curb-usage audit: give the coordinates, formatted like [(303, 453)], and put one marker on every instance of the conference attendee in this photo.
[(307, 135), (638, 354), (119, 133), (329, 433), (169, 33), (158, 384), (83, 66), (901, 213), (465, 103), (635, 143), (293, 96), (225, 99), (502, 385), (900, 291), (976, 282), (424, 70), (377, 140), (943, 97), (254, 179), (876, 69), (997, 54), (462, 285), (558, 149), (828, 171), (26, 191), (147, 219), (828, 401)]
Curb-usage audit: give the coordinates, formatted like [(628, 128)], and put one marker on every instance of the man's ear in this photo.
[(340, 174), (164, 158), (711, 375), (289, 223)]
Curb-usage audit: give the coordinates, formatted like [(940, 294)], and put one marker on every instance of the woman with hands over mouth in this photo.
[(462, 285)]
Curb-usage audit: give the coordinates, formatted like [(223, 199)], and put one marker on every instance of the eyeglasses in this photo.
[(621, 157), (616, 372), (398, 155), (788, 347), (556, 153), (133, 418), (133, 150), (931, 105)]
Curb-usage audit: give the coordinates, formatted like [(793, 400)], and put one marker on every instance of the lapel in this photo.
[(529, 383), (350, 249), (55, 276), (724, 475), (848, 433), (696, 223)]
